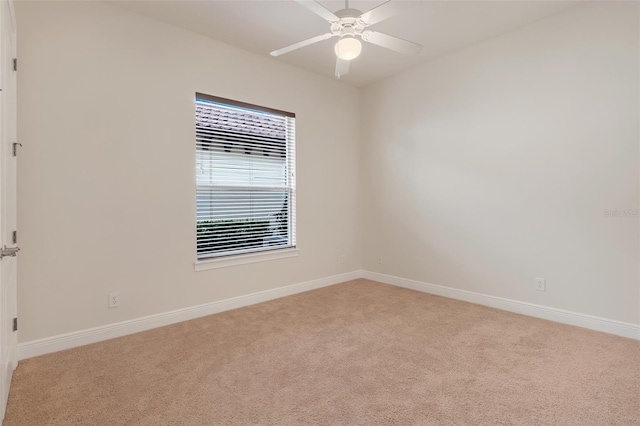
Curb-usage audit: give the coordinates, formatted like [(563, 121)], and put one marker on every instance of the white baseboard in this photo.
[(619, 328), (110, 331), (92, 335)]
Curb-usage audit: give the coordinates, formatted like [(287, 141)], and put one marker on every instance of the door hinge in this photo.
[(15, 324), (15, 64), (14, 237), (15, 148)]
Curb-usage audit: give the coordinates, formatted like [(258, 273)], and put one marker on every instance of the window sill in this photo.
[(243, 259)]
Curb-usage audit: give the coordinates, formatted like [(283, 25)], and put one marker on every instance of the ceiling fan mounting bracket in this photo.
[(348, 13)]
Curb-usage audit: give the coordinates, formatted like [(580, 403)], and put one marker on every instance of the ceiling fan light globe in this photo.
[(348, 48)]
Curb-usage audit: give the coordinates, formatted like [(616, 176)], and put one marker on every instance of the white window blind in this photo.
[(245, 177)]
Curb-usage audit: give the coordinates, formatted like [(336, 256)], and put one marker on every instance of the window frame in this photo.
[(256, 254)]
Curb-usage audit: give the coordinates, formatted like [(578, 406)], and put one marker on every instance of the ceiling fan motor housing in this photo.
[(350, 23)]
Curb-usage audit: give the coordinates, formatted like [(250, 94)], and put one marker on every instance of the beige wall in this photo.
[(492, 166), (107, 179), (480, 171)]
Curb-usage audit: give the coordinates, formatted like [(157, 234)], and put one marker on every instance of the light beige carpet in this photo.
[(355, 353)]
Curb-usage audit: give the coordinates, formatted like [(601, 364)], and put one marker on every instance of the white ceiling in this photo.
[(262, 26)]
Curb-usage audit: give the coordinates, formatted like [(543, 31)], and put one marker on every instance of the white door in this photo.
[(8, 240)]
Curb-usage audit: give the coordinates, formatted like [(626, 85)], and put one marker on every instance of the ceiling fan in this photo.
[(349, 24)]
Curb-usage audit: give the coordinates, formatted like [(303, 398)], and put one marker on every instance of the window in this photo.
[(245, 178)]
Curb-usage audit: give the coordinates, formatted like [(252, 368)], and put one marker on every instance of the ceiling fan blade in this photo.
[(300, 44), (319, 9), (391, 42), (382, 12), (342, 67)]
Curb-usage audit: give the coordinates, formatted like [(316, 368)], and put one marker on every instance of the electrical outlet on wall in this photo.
[(343, 258), (541, 284), (114, 300), (379, 259)]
